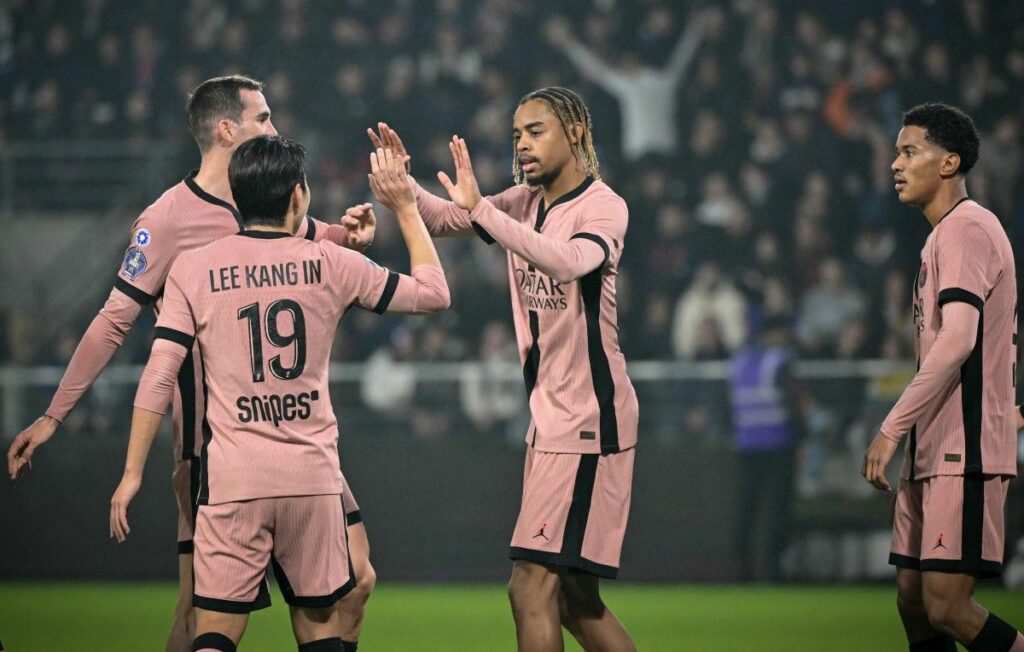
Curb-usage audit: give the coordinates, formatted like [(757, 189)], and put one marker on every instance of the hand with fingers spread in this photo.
[(361, 225), (877, 457), (19, 455), (389, 181), (464, 192), (387, 138), (123, 497)]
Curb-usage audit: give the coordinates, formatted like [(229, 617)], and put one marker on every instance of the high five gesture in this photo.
[(464, 192)]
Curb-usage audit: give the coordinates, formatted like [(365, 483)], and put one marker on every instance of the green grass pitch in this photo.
[(38, 617)]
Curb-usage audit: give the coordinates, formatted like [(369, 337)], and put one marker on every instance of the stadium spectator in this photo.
[(710, 318)]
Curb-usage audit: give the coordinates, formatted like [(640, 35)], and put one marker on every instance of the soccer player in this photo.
[(958, 412), (223, 113), (262, 306), (564, 231)]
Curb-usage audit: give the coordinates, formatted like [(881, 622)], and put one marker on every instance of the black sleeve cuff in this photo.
[(164, 333), (310, 228), (387, 294), (132, 292), (959, 294), (482, 232), (597, 239)]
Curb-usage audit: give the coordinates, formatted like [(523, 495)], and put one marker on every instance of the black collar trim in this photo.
[(190, 181), (572, 194), (266, 235), (542, 213), (952, 209)]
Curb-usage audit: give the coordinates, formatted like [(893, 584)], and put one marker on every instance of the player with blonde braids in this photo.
[(564, 230)]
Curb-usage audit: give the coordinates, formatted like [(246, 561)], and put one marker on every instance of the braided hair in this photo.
[(570, 110)]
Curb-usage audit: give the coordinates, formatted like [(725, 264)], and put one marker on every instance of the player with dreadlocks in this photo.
[(563, 229)]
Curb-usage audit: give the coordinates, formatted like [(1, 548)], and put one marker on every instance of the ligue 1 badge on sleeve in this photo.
[(142, 238), (135, 263)]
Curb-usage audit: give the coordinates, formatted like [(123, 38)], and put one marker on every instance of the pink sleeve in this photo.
[(156, 387), (425, 291), (362, 282), (147, 261), (442, 217), (99, 343), (316, 230), (564, 261), (969, 263), (177, 320), (939, 371)]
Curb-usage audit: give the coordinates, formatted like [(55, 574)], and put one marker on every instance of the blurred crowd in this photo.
[(750, 138)]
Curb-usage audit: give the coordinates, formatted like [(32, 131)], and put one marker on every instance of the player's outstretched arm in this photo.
[(563, 261), (442, 217), (98, 345), (953, 345), (156, 388), (1020, 417), (426, 290)]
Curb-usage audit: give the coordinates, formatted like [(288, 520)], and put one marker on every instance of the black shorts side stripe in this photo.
[(597, 240), (950, 295), (571, 554), (164, 333), (579, 509), (132, 292), (973, 518), (387, 294)]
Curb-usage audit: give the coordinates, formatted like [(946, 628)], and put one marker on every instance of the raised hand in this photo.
[(388, 139), (19, 455), (389, 181), (361, 225), (123, 497), (464, 192)]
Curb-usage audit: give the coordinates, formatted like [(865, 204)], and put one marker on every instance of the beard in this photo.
[(540, 179)]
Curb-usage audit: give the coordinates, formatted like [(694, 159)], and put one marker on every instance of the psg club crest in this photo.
[(135, 263), (142, 238), (922, 275)]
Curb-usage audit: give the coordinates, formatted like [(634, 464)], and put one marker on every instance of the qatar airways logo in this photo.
[(540, 291)]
